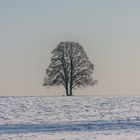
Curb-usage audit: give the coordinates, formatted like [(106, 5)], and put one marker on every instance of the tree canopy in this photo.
[(70, 67)]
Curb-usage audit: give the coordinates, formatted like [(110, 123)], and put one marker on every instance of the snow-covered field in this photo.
[(70, 118)]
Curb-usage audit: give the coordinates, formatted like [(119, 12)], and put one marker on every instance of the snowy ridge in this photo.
[(71, 126)]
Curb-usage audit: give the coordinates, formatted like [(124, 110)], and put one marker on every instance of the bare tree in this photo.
[(70, 67)]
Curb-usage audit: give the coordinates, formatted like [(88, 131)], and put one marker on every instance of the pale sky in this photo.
[(109, 30)]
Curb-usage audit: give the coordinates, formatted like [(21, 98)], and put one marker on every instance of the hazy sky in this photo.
[(109, 30)]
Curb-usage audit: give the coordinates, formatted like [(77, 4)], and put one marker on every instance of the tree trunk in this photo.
[(67, 91), (71, 90), (71, 76)]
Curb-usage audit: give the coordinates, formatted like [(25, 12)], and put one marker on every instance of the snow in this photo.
[(70, 118)]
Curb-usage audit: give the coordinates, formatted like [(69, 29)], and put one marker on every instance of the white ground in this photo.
[(70, 118), (73, 136)]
